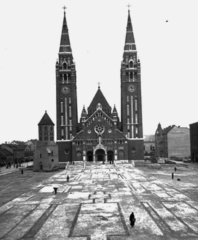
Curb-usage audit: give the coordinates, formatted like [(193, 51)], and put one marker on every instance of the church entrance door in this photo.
[(90, 156), (110, 155), (100, 155)]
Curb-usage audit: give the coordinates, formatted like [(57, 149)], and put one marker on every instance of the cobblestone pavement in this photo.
[(96, 203)]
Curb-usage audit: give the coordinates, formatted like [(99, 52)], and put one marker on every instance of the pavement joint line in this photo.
[(180, 219), (160, 222), (39, 223), (123, 220), (158, 196), (4, 212), (74, 221), (133, 188), (189, 205), (145, 188), (25, 216)]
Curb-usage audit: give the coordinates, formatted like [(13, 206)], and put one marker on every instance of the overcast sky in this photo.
[(30, 34)]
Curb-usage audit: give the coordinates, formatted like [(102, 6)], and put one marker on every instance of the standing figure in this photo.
[(132, 219), (67, 178), (175, 169)]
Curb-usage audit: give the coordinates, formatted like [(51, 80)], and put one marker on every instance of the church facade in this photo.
[(99, 135)]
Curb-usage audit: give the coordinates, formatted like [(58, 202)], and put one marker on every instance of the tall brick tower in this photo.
[(131, 102), (66, 94)]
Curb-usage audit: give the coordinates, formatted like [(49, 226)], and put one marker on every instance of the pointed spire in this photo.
[(46, 120), (129, 24), (129, 40), (65, 41), (84, 112), (115, 113)]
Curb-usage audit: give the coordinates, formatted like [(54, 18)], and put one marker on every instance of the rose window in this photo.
[(99, 129)]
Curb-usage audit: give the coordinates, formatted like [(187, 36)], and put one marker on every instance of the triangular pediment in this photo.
[(99, 114), (99, 98)]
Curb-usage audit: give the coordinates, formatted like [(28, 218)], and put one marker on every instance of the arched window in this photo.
[(64, 65), (131, 76), (131, 64)]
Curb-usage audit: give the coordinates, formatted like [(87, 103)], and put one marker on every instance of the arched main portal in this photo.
[(100, 155), (90, 156), (110, 155)]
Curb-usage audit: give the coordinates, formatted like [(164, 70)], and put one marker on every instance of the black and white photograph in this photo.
[(98, 128)]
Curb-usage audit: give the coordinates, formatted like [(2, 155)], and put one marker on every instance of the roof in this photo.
[(15, 146), (99, 98), (164, 131), (48, 150), (195, 123), (129, 39), (18, 142), (167, 129), (5, 152), (46, 120), (65, 38), (33, 141)]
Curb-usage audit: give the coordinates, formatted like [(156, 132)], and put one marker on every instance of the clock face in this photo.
[(131, 88), (65, 90)]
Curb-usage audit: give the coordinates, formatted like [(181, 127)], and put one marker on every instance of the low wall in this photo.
[(154, 165)]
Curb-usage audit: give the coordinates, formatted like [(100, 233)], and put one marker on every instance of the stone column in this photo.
[(105, 157)]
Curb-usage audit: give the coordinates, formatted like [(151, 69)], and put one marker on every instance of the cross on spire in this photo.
[(99, 85), (64, 8), (128, 7)]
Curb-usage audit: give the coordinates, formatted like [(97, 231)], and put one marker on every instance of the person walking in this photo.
[(132, 219)]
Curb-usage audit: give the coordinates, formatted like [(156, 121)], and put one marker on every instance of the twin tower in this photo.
[(99, 135)]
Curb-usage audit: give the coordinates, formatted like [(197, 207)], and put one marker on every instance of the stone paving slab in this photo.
[(96, 204)]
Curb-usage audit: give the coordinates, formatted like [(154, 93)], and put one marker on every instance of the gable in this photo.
[(99, 122), (99, 98)]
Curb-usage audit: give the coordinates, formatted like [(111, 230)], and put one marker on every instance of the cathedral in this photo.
[(100, 135)]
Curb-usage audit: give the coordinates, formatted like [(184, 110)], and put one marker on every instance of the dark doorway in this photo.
[(100, 155), (110, 155), (90, 156)]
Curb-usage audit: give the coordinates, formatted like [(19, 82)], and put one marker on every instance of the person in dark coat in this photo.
[(67, 178), (132, 219)]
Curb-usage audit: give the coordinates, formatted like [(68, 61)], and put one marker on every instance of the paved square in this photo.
[(96, 204), (99, 218)]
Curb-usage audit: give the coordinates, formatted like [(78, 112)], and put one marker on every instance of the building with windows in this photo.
[(194, 141), (149, 144), (99, 135), (172, 141), (46, 152)]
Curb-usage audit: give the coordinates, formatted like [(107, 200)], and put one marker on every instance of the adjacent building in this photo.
[(100, 135), (46, 152), (172, 141), (17, 152), (149, 144), (6, 157), (194, 141)]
